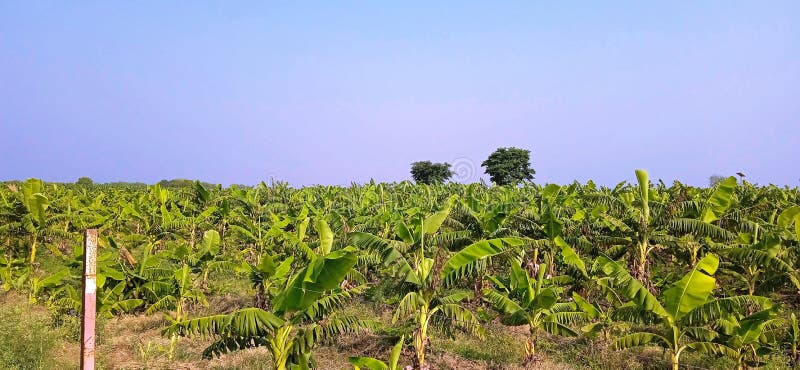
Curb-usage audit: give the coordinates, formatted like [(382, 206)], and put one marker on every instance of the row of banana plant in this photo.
[(711, 270)]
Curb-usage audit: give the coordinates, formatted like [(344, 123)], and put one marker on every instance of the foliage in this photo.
[(84, 181), (685, 308), (578, 260), (375, 364), (509, 166), (533, 301), (26, 337), (713, 180), (425, 172)]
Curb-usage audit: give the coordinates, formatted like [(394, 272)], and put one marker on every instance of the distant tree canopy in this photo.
[(426, 172), (85, 181), (509, 166), (715, 179), (179, 183), (126, 184)]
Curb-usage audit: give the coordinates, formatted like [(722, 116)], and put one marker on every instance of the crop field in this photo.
[(642, 275)]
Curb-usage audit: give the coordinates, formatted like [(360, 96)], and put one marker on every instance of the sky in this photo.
[(340, 92)]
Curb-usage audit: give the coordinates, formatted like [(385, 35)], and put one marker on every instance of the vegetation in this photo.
[(663, 276), (84, 181), (509, 166), (26, 338), (425, 172)]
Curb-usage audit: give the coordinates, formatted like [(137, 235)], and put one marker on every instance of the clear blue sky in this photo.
[(333, 92)]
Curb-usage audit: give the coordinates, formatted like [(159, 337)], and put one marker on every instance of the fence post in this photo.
[(89, 299)]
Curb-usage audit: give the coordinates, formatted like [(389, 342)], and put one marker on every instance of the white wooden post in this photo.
[(89, 299)]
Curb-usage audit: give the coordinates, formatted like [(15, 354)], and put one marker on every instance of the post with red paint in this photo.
[(89, 298)]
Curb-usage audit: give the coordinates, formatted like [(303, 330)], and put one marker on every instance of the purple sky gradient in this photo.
[(235, 92)]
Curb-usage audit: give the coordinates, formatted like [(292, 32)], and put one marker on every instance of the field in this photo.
[(381, 276)]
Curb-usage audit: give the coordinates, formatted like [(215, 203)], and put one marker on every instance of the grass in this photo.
[(30, 338), (501, 346), (27, 336)]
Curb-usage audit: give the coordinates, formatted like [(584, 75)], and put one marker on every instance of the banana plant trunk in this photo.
[(173, 342), (477, 289), (752, 277), (33, 249), (191, 237), (281, 346), (530, 346), (533, 265), (675, 349), (640, 264), (421, 337)]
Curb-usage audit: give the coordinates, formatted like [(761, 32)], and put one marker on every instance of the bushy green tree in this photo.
[(713, 180), (85, 181), (509, 166), (426, 172)]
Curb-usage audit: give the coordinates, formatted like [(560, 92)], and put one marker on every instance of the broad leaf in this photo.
[(477, 252), (570, 257), (558, 329), (644, 192), (394, 356), (585, 306), (638, 339), (325, 236), (551, 224), (693, 289), (211, 241), (322, 274), (788, 216), (629, 287), (367, 363), (501, 302), (434, 222), (720, 200)]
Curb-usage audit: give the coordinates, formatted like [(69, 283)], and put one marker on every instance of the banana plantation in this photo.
[(662, 276)]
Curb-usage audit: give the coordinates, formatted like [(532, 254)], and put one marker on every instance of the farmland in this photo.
[(190, 275)]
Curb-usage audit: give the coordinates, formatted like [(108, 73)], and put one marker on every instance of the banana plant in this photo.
[(14, 273), (607, 321), (429, 306), (427, 303), (789, 216), (756, 263), (684, 310), (375, 364), (607, 311), (111, 301), (646, 227), (39, 285), (745, 339), (528, 300), (27, 219), (304, 313), (476, 221), (175, 289), (205, 257), (267, 278), (699, 221), (175, 293), (113, 295)]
